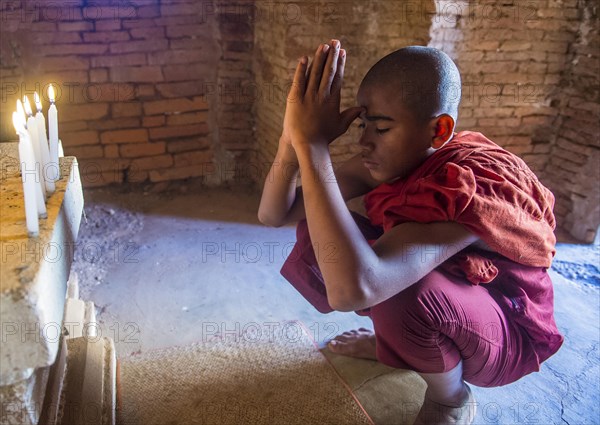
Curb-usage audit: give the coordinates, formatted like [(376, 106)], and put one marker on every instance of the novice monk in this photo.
[(451, 264)]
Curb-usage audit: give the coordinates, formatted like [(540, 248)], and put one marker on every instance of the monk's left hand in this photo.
[(312, 114)]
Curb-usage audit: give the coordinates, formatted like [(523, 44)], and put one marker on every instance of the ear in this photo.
[(442, 129)]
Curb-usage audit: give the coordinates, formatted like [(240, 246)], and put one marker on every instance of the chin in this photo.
[(377, 177), (381, 179), (384, 177)]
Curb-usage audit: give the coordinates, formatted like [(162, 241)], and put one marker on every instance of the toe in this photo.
[(339, 347), (336, 346), (346, 336)]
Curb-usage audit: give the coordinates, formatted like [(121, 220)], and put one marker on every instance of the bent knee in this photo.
[(433, 285), (432, 293)]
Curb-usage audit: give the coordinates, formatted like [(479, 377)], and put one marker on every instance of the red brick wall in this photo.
[(135, 80), (573, 170), (231, 96), (163, 90), (368, 30), (510, 55), (530, 83)]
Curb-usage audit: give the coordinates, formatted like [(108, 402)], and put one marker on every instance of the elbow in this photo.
[(347, 305), (341, 306), (269, 221), (348, 301)]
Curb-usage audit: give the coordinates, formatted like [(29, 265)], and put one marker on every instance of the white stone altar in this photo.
[(33, 278), (35, 306)]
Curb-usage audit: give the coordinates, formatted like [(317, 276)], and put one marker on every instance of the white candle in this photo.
[(35, 141), (53, 132), (39, 195), (26, 161), (41, 127)]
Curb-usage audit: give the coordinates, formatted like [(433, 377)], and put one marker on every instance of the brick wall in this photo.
[(232, 95), (530, 83), (368, 30), (510, 56), (155, 90), (137, 81), (573, 171)]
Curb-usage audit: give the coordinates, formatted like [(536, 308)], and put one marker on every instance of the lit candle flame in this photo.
[(51, 93), (20, 110), (38, 101), (28, 110)]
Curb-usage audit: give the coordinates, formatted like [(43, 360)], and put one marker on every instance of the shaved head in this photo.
[(425, 80)]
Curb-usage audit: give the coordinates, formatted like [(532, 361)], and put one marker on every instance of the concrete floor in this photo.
[(186, 263)]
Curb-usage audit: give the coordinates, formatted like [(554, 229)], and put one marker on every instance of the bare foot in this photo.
[(355, 343), (461, 413)]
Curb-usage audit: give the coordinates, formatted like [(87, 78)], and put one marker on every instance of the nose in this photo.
[(365, 142)]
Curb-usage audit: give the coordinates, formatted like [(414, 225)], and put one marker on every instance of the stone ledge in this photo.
[(34, 271), (21, 403)]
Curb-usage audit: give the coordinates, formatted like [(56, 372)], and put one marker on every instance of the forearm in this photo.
[(279, 192), (332, 229)]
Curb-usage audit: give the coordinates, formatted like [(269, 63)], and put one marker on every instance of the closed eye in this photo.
[(377, 130)]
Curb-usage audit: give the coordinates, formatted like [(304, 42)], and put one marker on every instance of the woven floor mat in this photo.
[(281, 378)]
